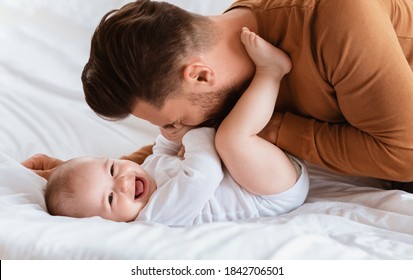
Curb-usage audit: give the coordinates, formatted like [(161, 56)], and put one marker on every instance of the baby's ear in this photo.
[(140, 155)]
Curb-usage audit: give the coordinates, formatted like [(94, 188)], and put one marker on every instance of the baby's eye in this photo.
[(110, 198), (111, 169)]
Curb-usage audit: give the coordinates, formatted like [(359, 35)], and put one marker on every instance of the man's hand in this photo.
[(42, 164)]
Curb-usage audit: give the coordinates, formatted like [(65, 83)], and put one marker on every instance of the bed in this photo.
[(44, 46)]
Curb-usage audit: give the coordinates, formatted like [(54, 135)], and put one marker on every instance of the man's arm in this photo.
[(360, 55), (43, 165), (140, 155)]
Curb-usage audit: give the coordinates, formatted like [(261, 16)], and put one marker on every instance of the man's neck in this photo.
[(230, 53)]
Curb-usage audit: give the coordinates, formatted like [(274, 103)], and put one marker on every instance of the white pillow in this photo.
[(21, 191), (87, 14)]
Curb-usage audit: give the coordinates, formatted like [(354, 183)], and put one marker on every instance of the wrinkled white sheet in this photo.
[(44, 45)]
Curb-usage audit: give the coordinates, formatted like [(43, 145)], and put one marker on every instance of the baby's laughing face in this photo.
[(113, 189)]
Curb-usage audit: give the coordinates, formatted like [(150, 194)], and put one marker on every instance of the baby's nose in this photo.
[(122, 184)]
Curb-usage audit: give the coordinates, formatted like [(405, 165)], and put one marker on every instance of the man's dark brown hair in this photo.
[(137, 54)]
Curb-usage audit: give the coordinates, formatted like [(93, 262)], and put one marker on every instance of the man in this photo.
[(346, 105)]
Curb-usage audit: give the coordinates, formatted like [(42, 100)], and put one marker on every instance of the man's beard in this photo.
[(217, 105)]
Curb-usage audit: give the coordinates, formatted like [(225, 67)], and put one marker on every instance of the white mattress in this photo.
[(44, 45)]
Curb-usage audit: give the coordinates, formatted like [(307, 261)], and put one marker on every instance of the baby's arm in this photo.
[(257, 165), (184, 186), (140, 155)]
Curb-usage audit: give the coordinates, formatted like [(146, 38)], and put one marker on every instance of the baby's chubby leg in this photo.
[(267, 58)]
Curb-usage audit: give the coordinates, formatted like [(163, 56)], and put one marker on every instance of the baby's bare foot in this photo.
[(265, 56)]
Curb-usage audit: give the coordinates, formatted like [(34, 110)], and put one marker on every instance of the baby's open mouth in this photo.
[(139, 187)]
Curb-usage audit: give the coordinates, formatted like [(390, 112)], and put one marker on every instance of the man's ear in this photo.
[(197, 73)]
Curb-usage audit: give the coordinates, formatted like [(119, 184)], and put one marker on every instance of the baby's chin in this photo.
[(123, 219), (134, 219), (131, 220)]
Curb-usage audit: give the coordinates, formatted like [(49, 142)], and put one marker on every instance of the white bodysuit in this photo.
[(199, 189)]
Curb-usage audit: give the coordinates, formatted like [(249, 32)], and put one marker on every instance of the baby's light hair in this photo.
[(59, 193)]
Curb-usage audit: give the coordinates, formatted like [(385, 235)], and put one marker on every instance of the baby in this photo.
[(198, 188)]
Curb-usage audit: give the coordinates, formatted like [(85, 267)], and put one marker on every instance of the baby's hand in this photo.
[(175, 133), (181, 152)]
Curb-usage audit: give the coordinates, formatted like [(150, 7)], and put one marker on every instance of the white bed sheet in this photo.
[(44, 45)]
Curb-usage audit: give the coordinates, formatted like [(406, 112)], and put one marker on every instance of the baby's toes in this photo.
[(245, 36)]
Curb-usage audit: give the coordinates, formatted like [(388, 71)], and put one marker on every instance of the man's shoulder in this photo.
[(261, 5)]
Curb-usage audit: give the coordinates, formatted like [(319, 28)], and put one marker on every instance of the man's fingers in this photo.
[(44, 173), (36, 162), (28, 163), (41, 162)]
